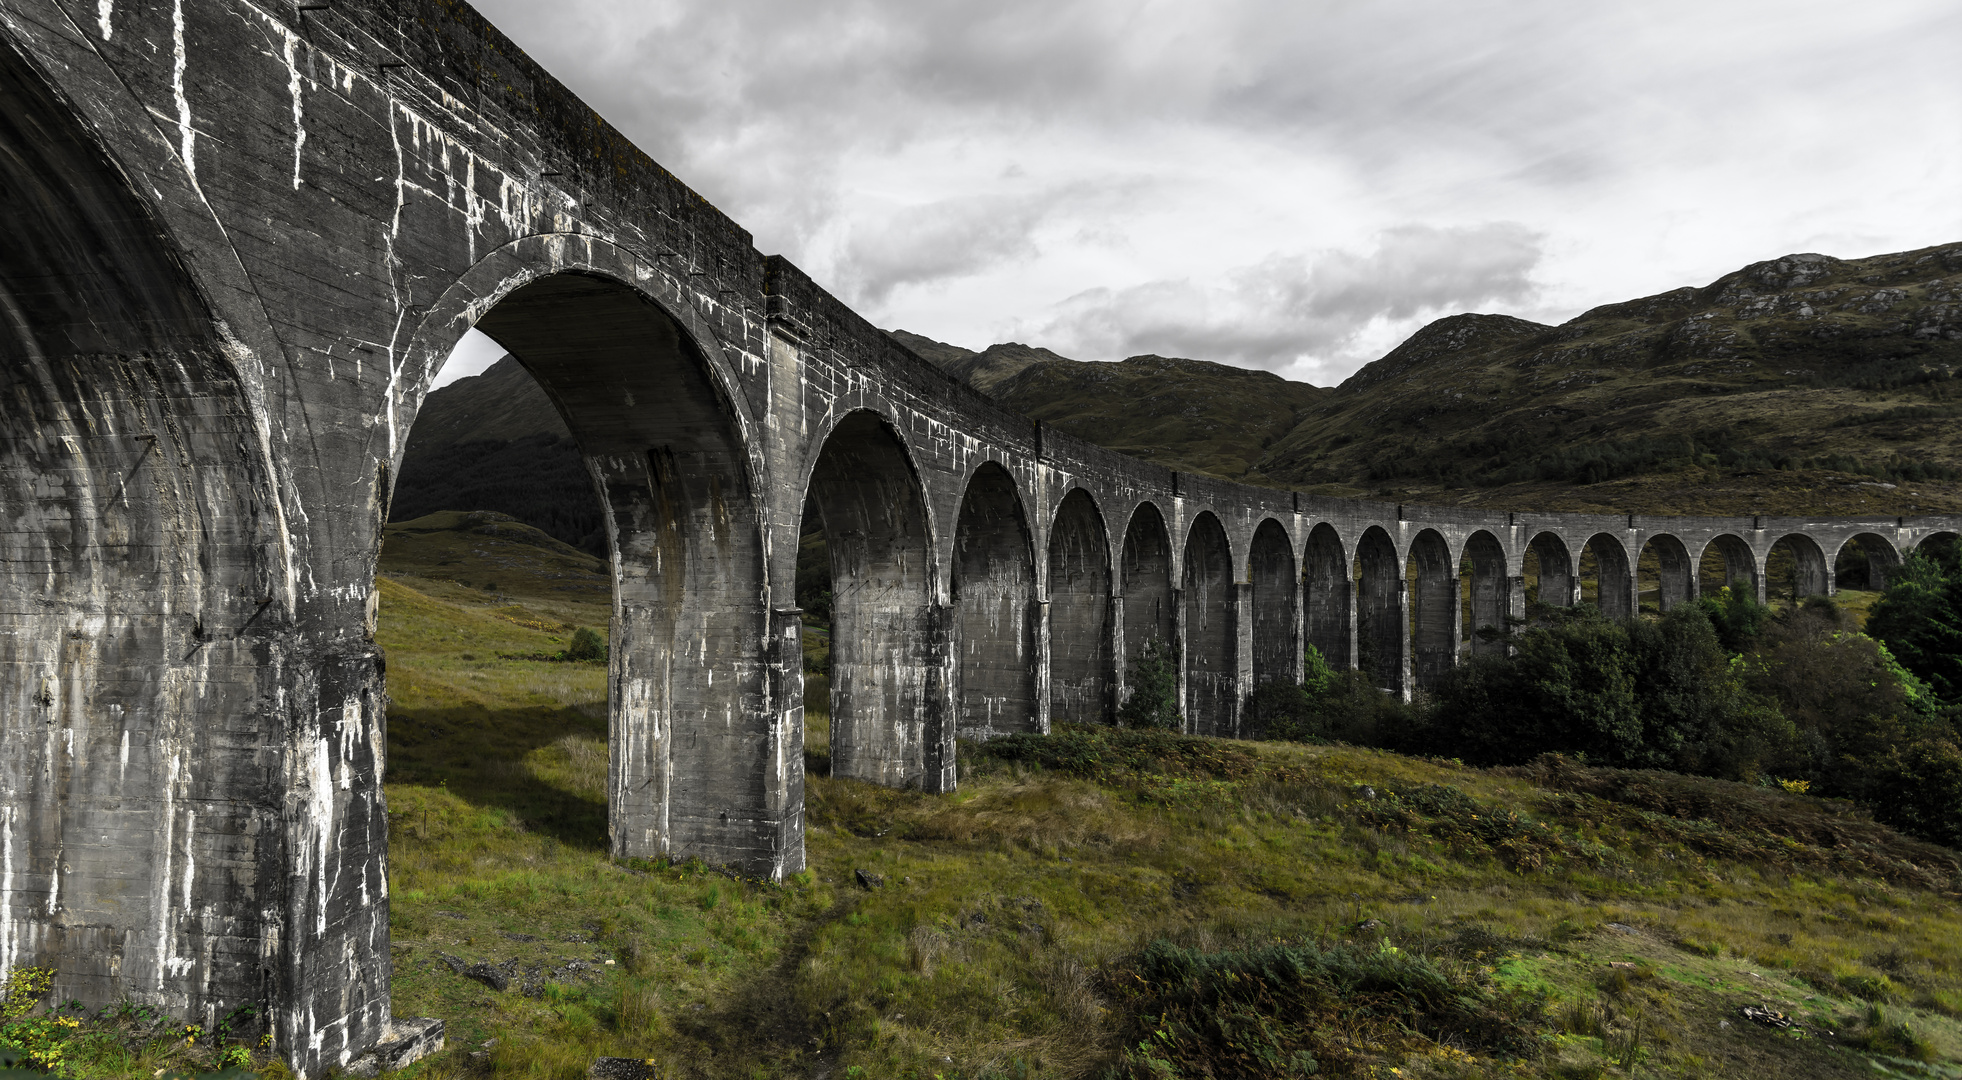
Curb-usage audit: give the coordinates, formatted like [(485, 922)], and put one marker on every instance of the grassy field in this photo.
[(1622, 921)]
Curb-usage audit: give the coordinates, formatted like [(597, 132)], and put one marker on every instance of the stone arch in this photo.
[(1555, 584), (1489, 603), (1434, 624), (1933, 540), (1810, 573), (1864, 562), (1381, 642), (1727, 561), (148, 622), (1327, 597), (1674, 574), (1146, 597), (994, 590), (865, 488), (1081, 680), (664, 445), (1614, 575), (1208, 639), (1276, 613)]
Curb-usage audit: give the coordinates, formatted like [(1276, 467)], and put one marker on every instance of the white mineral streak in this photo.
[(188, 148), (122, 769), (9, 941), (293, 87), (104, 9), (160, 922)]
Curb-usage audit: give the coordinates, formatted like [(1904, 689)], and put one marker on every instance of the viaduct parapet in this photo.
[(241, 240)]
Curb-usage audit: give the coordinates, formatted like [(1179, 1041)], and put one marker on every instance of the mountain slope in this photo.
[(1805, 377)]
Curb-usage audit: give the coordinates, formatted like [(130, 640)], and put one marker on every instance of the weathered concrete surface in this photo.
[(243, 238)]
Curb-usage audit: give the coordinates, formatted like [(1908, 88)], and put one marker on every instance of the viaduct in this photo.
[(242, 236)]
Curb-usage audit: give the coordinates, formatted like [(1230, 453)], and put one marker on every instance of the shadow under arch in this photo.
[(1614, 575), (1145, 591), (886, 727), (1488, 603), (1328, 597), (1276, 611), (1081, 681), (1864, 561), (1674, 575), (994, 594), (1553, 580), (1434, 612), (1931, 543), (1207, 639), (148, 616), (1382, 643), (1797, 562), (663, 444)]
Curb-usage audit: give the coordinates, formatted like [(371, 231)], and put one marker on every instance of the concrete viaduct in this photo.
[(241, 239)]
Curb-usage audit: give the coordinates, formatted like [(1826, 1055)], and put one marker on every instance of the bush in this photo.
[(1153, 701), (1919, 617), (586, 645)]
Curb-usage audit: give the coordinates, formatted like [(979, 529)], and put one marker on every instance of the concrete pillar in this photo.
[(939, 719), (1117, 649), (1040, 661), (1241, 612), (1181, 675)]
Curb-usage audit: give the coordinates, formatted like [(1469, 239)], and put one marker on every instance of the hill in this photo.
[(1186, 414), (1805, 381)]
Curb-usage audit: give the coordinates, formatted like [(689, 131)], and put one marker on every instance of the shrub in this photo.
[(586, 645), (1919, 618), (1153, 701)]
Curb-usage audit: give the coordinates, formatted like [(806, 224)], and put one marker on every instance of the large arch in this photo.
[(1555, 584), (1728, 562), (1614, 576), (1327, 598), (1276, 614), (1081, 680), (1489, 602), (1811, 572), (1434, 626), (1382, 644), (667, 458), (149, 631), (1208, 637), (864, 487), (1865, 561), (1674, 572), (994, 590), (1145, 573)]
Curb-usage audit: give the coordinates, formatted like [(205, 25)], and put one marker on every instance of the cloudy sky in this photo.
[(1287, 184)]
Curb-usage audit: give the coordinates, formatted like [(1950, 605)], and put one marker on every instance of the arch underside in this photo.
[(994, 590), (1276, 635), (1081, 679), (1207, 631), (1145, 570)]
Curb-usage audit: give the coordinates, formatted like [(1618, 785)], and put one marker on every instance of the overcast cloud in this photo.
[(1290, 184)]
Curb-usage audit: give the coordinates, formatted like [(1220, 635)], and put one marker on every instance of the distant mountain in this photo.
[(1802, 380), (495, 442), (1187, 414)]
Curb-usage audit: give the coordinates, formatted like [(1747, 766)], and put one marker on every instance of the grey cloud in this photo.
[(947, 239), (1300, 316)]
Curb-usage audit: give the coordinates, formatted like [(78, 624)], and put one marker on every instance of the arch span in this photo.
[(1208, 641), (994, 590), (1490, 602), (1614, 576), (883, 665), (1145, 569), (1276, 633), (1675, 573), (1382, 644), (1864, 562), (1328, 598), (1081, 681), (1556, 584), (1434, 625), (1728, 562), (1810, 573)]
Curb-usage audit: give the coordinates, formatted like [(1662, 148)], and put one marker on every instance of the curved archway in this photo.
[(1864, 562), (1549, 571), (1145, 572), (148, 621), (1614, 575), (1327, 598), (1434, 614), (994, 584), (1081, 683), (1208, 639), (1932, 541), (686, 549), (1665, 560), (1382, 645), (1489, 602), (868, 497), (1727, 562), (1797, 568), (1276, 635)]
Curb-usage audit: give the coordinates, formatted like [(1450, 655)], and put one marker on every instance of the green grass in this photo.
[(1613, 917)]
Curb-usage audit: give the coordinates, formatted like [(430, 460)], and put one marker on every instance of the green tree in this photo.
[(1153, 678), (1919, 618)]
